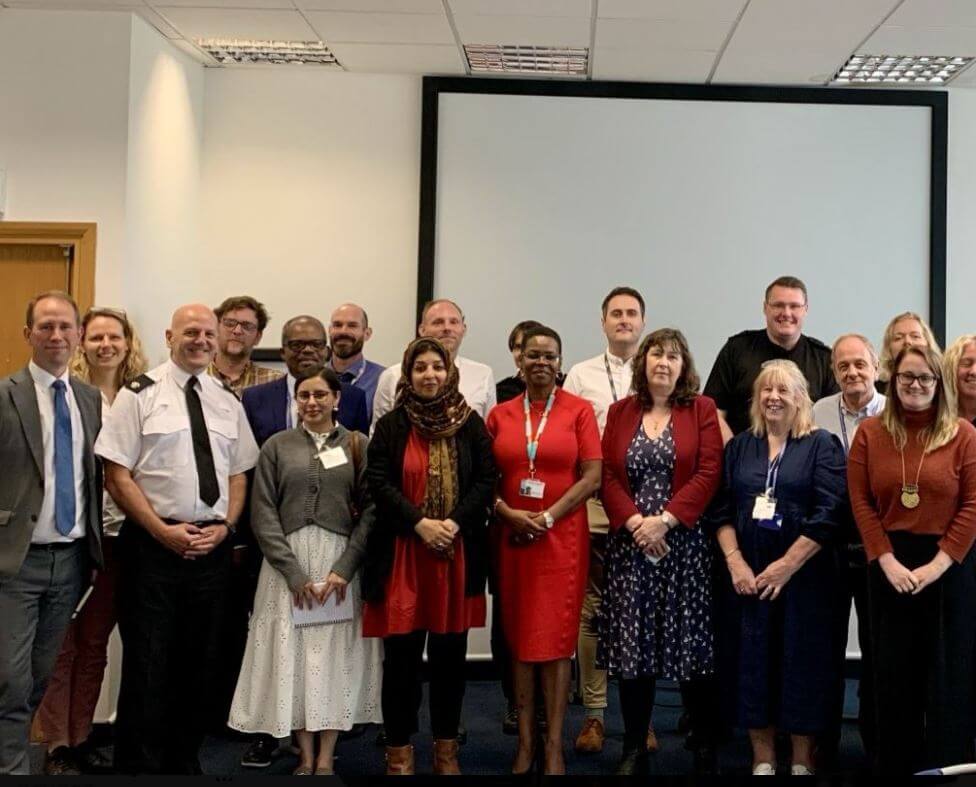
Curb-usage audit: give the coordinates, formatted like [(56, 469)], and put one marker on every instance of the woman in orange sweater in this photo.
[(912, 480)]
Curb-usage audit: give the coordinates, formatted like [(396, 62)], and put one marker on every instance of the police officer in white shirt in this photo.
[(443, 319), (602, 380), (855, 366), (176, 446)]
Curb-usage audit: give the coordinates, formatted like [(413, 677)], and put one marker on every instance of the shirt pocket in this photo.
[(223, 430), (165, 441)]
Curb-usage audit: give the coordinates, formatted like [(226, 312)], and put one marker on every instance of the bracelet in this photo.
[(729, 554)]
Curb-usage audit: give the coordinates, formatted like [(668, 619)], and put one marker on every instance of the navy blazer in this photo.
[(265, 408)]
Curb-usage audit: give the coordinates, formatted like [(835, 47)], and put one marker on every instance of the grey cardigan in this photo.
[(293, 490)]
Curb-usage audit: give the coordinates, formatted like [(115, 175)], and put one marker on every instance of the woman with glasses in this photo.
[(785, 487), (547, 448), (912, 479), (431, 475), (311, 515), (108, 357)]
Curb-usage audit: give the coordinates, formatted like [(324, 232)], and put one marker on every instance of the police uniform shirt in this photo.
[(148, 432), (740, 360)]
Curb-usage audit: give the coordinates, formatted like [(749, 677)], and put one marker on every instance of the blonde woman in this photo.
[(108, 357), (907, 329), (912, 480), (785, 491), (959, 373)]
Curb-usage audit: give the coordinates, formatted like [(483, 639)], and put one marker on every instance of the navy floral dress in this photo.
[(655, 619)]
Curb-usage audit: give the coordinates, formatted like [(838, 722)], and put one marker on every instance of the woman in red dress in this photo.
[(547, 448), (431, 475)]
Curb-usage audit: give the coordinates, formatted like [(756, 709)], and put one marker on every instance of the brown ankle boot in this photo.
[(445, 757), (399, 760)]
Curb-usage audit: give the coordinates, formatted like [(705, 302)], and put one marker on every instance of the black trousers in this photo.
[(699, 698), (169, 616), (923, 662), (501, 656), (402, 689)]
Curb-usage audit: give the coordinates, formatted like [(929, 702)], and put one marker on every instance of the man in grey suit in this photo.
[(50, 514)]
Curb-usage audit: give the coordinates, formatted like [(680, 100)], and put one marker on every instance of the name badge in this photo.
[(532, 487), (764, 508), (333, 457)]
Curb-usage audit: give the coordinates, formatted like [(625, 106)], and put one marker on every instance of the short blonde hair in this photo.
[(950, 363), (134, 363), (946, 424), (781, 371), (887, 362)]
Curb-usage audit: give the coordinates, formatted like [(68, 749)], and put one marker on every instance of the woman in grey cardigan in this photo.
[(310, 513)]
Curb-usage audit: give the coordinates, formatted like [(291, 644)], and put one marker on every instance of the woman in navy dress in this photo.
[(662, 464), (786, 488)]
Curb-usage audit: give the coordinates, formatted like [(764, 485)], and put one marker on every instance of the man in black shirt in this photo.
[(739, 361)]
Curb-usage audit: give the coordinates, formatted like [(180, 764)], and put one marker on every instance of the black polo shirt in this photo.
[(738, 364)]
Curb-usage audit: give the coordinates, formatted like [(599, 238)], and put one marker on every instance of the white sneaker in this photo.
[(763, 769), (800, 770)]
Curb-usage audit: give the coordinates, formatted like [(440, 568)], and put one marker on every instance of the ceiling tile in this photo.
[(365, 6), (783, 66), (652, 65), (678, 10), (232, 4), (251, 23), (192, 51), (399, 58), (641, 33), (574, 8), (76, 5), (891, 40), (524, 30), (377, 28), (934, 13)]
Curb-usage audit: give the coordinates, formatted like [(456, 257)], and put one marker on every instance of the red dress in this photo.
[(541, 584), (424, 592)]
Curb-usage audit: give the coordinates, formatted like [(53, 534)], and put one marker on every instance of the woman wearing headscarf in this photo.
[(431, 476)]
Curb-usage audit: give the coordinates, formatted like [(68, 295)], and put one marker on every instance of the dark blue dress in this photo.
[(787, 670), (655, 619)]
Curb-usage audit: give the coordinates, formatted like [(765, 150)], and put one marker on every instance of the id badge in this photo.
[(532, 487), (764, 508), (332, 457)]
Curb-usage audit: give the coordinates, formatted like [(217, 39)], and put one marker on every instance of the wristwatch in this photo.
[(548, 518), (669, 520)]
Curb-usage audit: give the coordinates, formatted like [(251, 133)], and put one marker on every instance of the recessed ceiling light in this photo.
[(513, 59), (233, 51), (900, 69)]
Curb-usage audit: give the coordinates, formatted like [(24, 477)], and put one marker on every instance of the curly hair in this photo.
[(688, 384), (132, 365)]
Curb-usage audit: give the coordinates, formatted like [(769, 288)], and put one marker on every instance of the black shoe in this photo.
[(633, 762), (684, 724), (260, 753), (462, 736), (91, 760), (510, 723), (62, 762), (705, 761)]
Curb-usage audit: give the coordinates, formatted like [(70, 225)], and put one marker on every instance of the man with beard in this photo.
[(241, 321), (348, 331)]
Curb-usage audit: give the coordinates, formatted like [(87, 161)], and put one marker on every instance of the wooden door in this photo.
[(25, 270)]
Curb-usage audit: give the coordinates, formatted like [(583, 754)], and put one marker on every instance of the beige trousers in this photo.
[(593, 681)]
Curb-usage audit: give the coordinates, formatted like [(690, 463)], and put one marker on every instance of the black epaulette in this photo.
[(141, 383)]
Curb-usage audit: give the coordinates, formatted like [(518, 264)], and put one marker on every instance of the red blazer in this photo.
[(697, 465)]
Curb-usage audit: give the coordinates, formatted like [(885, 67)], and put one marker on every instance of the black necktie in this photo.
[(202, 455)]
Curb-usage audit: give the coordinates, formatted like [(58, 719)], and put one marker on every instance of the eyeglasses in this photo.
[(782, 306), (230, 324), (907, 379), (297, 345), (318, 396)]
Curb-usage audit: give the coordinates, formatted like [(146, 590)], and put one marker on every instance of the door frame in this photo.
[(79, 235)]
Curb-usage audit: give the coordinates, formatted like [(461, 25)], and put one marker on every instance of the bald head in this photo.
[(192, 337)]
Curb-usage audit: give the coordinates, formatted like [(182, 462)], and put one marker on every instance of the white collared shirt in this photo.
[(827, 413), (291, 413), (589, 379), (476, 383), (148, 431), (45, 531)]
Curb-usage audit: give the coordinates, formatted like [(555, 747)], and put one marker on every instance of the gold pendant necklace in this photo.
[(909, 492)]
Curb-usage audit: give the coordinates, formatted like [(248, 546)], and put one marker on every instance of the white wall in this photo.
[(961, 241), (162, 196), (310, 195), (63, 125)]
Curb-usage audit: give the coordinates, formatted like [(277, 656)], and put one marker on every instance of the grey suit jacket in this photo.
[(22, 468)]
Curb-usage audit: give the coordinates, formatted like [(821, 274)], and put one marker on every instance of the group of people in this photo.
[(619, 513)]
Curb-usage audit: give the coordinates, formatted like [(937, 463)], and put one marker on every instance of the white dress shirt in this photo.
[(827, 414), (45, 531), (148, 432), (591, 380), (476, 383), (291, 414)]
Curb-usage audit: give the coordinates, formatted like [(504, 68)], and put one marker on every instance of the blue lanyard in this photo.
[(843, 427), (532, 443), (613, 388), (772, 474)]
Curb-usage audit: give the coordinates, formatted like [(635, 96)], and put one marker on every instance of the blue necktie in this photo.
[(64, 464)]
